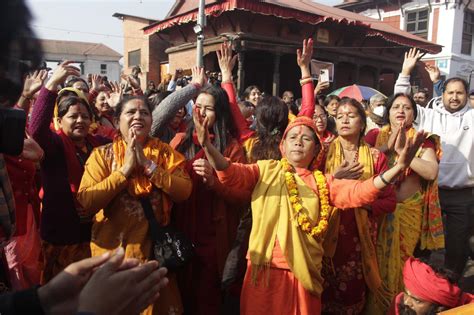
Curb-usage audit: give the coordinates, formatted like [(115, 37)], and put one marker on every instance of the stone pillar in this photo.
[(276, 74), (241, 73)]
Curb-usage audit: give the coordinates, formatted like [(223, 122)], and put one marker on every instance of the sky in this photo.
[(92, 21)]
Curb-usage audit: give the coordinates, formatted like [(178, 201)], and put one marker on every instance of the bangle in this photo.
[(29, 98), (304, 81), (384, 180), (306, 77)]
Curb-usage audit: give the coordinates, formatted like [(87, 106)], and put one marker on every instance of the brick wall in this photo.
[(393, 21)]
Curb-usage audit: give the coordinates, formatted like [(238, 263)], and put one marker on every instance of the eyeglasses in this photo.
[(322, 117)]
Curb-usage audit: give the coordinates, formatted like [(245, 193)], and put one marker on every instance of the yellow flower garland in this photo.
[(301, 218)]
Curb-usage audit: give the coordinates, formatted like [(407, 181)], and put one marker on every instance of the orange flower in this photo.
[(302, 219)]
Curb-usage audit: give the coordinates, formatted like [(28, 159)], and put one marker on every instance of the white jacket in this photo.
[(456, 131)]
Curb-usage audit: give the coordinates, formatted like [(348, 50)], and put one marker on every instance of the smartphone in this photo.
[(324, 75)]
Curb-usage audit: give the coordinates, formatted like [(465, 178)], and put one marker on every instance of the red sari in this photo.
[(209, 218), (345, 289)]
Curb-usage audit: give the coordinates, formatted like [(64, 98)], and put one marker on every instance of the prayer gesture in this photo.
[(401, 139), (130, 159), (434, 73), (349, 170), (33, 82), (226, 61), (410, 148), (60, 75), (114, 97), (411, 58), (203, 168), (199, 76), (303, 57), (201, 126)]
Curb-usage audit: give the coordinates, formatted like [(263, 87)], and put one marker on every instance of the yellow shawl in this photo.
[(272, 216), (155, 150), (432, 233), (372, 277)]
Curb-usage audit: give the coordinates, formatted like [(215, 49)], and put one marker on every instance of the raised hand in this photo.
[(199, 76), (433, 71), (33, 82), (133, 82), (115, 96), (60, 74), (31, 150), (226, 61), (349, 170), (96, 82), (409, 150), (411, 58), (321, 86), (303, 57), (201, 126), (203, 168)]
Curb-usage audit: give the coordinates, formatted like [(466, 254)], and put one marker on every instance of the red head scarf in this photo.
[(308, 122), (424, 283)]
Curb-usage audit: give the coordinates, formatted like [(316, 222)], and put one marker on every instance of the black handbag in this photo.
[(171, 248)]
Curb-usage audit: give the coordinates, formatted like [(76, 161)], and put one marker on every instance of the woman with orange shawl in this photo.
[(291, 203), (118, 175), (417, 217), (349, 247)]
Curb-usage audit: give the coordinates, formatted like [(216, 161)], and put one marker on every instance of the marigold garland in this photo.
[(302, 219)]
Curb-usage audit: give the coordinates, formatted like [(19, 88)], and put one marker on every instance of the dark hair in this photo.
[(329, 98), (247, 104), (248, 90), (272, 120), (119, 108), (456, 79), (360, 111), (20, 51), (73, 80), (157, 98), (424, 91), (69, 101), (391, 100), (222, 128)]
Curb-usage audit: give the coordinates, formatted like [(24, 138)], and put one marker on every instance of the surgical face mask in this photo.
[(379, 111)]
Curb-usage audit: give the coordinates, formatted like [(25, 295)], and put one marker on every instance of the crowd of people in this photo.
[(322, 205)]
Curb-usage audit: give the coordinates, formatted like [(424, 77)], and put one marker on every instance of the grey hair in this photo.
[(377, 98)]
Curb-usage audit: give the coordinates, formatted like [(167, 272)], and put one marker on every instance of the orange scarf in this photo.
[(139, 185)]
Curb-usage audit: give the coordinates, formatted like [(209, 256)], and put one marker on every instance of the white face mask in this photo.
[(379, 111)]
